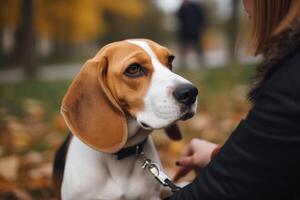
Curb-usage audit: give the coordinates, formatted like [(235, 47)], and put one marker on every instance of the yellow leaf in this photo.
[(9, 167)]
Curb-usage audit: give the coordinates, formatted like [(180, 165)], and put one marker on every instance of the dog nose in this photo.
[(185, 94)]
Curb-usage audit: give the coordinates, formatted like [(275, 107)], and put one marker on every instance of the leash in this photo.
[(154, 169)]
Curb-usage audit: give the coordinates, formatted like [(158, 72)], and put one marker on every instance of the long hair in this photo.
[(271, 17)]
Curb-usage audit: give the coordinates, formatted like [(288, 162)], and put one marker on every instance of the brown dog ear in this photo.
[(174, 132), (90, 110)]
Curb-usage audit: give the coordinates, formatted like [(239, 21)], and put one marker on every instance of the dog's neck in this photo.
[(136, 134)]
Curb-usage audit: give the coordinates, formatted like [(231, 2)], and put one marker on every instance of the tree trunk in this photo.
[(27, 53), (233, 27), (1, 44), (62, 49)]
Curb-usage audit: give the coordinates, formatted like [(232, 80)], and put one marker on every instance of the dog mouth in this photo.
[(186, 113), (145, 126), (184, 117), (187, 116)]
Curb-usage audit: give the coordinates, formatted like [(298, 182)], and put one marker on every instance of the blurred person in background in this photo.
[(191, 17), (260, 160)]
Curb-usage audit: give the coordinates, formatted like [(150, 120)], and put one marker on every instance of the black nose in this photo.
[(186, 94)]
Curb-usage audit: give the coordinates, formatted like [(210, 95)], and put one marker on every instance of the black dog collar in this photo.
[(132, 150)]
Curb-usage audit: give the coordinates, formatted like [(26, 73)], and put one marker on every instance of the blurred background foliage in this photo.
[(60, 29), (43, 44)]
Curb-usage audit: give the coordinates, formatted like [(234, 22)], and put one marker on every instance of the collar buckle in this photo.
[(132, 150), (137, 150)]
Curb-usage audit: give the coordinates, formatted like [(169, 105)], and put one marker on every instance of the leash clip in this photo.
[(159, 175)]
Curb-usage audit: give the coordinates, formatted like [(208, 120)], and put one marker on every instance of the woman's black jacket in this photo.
[(261, 159)]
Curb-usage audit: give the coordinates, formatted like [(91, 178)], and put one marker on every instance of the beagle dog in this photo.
[(117, 99)]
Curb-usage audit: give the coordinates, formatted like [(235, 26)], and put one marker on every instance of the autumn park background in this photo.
[(43, 44)]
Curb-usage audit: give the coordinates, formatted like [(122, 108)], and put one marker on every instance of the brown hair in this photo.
[(270, 18)]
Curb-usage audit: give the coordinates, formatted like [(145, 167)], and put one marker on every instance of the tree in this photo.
[(19, 16), (7, 19), (1, 43), (65, 23), (27, 57), (232, 32), (131, 20)]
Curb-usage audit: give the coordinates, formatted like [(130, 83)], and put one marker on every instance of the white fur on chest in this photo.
[(90, 174)]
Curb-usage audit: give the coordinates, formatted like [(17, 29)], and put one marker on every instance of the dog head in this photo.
[(131, 77)]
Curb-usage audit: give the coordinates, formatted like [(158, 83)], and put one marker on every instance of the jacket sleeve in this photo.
[(261, 158)]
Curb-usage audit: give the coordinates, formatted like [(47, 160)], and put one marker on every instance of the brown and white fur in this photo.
[(107, 110)]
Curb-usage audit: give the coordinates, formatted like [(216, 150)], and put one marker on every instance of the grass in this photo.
[(212, 82), (209, 81), (49, 93), (9, 62)]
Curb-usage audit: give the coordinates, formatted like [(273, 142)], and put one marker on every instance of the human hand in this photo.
[(194, 157)]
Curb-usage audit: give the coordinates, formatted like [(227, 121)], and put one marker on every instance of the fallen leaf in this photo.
[(38, 183), (6, 186), (59, 124), (33, 158), (33, 108), (9, 167), (44, 170)]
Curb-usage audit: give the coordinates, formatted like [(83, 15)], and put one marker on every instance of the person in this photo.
[(191, 17), (260, 160)]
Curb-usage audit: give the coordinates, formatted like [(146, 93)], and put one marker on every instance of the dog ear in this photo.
[(174, 132), (91, 112)]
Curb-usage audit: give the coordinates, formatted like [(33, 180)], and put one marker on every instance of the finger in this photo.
[(188, 151), (186, 162), (181, 173)]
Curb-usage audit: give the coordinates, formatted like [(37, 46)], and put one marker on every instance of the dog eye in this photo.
[(135, 70), (170, 60)]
